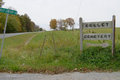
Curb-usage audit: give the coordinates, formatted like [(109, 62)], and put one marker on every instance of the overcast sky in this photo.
[(42, 11)]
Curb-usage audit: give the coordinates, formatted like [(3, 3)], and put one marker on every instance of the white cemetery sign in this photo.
[(97, 36)]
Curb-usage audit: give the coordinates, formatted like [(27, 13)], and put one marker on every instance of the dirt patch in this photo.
[(29, 39)]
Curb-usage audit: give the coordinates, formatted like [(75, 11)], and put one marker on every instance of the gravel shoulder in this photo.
[(64, 76)]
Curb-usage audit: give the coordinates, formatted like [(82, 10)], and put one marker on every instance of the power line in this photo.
[(78, 9)]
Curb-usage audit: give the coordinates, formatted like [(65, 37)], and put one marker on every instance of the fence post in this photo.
[(42, 46), (53, 42)]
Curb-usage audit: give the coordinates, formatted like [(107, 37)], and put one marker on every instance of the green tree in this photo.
[(41, 29), (13, 24), (53, 24), (32, 25), (2, 21), (28, 23), (23, 23), (36, 28), (18, 24), (1, 3)]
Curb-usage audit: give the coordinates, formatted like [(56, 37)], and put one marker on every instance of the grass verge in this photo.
[(67, 58)]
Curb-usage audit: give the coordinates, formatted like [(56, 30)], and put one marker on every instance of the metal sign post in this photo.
[(4, 35), (8, 11)]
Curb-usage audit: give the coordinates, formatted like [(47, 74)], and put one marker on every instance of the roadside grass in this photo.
[(65, 57)]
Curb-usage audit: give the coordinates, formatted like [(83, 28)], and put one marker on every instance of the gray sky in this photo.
[(42, 11)]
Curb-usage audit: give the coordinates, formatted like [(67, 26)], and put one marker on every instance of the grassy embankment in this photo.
[(19, 58)]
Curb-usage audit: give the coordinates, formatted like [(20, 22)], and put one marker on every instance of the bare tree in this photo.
[(60, 24), (70, 22)]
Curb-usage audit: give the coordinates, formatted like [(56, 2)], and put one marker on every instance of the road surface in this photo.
[(64, 76), (14, 34), (9, 35)]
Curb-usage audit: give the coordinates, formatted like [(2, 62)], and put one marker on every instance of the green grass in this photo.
[(16, 57)]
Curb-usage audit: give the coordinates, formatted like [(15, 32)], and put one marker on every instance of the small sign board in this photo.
[(97, 36), (103, 24), (8, 11), (104, 45)]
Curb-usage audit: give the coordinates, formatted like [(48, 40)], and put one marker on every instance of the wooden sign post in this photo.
[(113, 32), (97, 36)]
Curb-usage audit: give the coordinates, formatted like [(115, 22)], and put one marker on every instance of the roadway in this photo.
[(10, 34), (14, 34), (64, 76)]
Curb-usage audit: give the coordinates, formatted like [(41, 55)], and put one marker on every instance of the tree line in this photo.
[(62, 24), (17, 23)]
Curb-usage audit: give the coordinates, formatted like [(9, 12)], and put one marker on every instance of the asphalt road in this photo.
[(64, 76), (14, 34), (9, 35)]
